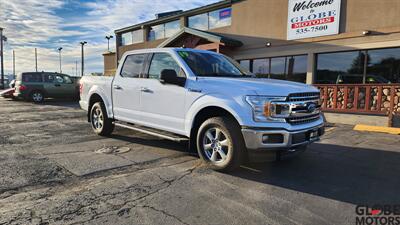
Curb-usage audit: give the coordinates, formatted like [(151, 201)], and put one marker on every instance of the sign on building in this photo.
[(313, 18)]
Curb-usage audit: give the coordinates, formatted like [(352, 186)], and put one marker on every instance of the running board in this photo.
[(153, 133)]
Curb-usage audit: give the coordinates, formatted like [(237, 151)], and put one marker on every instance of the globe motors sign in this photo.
[(313, 18)]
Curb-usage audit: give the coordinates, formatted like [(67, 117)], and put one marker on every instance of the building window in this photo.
[(163, 30), (245, 64), (126, 38), (211, 20), (199, 22), (172, 28), (297, 68), (359, 67), (383, 66), (292, 68), (278, 68), (156, 32), (133, 37), (220, 18), (340, 68), (137, 36), (261, 67)]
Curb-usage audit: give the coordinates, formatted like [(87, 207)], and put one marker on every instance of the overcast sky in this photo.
[(50, 24)]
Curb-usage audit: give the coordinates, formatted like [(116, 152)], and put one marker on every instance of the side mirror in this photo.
[(169, 76)]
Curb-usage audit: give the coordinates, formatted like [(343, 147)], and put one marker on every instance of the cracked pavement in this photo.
[(54, 170)]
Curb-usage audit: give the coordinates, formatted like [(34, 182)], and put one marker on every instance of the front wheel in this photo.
[(100, 122), (220, 143)]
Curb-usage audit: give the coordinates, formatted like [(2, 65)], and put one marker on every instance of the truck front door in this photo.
[(126, 89), (163, 105)]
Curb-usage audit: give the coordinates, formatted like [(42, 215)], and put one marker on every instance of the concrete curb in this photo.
[(389, 130)]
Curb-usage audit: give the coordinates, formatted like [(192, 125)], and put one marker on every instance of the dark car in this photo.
[(37, 86)]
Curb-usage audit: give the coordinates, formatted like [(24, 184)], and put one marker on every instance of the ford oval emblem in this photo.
[(311, 107)]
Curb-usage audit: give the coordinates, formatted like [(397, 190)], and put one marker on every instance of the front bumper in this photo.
[(273, 139)]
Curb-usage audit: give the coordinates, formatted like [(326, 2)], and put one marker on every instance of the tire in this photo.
[(99, 120), (37, 96), (220, 144)]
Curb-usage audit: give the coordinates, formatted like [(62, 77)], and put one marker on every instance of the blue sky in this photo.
[(50, 24)]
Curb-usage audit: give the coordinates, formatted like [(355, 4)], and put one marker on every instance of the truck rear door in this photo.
[(126, 89)]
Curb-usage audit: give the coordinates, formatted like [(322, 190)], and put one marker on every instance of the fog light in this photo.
[(272, 138), (265, 138)]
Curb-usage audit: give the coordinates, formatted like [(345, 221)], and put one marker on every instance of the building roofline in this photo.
[(194, 11), (212, 37)]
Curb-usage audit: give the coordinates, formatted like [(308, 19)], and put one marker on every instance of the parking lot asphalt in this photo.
[(54, 170)]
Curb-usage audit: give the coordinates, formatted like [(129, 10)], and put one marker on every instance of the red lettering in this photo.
[(313, 22)]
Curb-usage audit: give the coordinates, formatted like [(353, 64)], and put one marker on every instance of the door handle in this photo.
[(145, 89), (117, 87), (57, 85)]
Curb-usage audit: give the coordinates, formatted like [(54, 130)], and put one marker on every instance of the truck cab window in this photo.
[(160, 62), (133, 66)]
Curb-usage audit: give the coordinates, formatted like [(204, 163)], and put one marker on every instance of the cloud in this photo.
[(49, 24)]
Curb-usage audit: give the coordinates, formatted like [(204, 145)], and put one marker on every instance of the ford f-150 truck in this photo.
[(207, 99)]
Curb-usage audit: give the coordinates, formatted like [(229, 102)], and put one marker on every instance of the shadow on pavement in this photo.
[(134, 137), (62, 102), (346, 174)]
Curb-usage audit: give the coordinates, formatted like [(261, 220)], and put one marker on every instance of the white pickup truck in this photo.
[(207, 99)]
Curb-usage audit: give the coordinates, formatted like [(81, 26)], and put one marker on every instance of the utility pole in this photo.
[(59, 52), (14, 62), (1, 55), (36, 59), (108, 41), (82, 57)]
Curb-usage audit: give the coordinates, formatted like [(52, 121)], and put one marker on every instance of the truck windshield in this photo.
[(212, 65)]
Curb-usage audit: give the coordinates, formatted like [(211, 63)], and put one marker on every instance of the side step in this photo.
[(153, 132)]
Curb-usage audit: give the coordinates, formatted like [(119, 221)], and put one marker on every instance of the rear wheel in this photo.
[(37, 96), (220, 143), (100, 122)]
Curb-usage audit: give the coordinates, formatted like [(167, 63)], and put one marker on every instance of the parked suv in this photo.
[(37, 86), (206, 98)]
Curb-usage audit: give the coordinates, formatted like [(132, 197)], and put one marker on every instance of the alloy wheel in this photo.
[(216, 145), (97, 119)]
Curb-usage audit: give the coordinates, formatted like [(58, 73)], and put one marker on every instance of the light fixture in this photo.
[(366, 32)]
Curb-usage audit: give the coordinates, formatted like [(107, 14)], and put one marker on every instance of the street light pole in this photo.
[(59, 52), (36, 59), (14, 63), (82, 57), (1, 55), (108, 41)]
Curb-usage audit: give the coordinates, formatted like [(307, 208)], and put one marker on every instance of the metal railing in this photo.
[(379, 99)]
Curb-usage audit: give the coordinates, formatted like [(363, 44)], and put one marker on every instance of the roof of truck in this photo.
[(152, 50)]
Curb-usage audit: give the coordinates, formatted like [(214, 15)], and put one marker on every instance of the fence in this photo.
[(378, 99)]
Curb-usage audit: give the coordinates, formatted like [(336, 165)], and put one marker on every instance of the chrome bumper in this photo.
[(290, 139)]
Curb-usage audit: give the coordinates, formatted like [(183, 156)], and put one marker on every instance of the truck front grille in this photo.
[(300, 114), (304, 97), (303, 119)]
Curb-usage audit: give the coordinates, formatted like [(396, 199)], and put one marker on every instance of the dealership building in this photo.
[(349, 49)]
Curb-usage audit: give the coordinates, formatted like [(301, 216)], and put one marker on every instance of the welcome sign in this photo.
[(313, 18)]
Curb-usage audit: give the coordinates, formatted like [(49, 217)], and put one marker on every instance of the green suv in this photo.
[(37, 86)]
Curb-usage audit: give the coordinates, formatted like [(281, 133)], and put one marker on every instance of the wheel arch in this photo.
[(209, 112), (95, 97)]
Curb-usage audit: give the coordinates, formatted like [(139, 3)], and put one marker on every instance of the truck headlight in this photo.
[(268, 109)]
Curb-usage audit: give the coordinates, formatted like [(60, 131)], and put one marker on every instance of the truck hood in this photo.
[(258, 86)]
